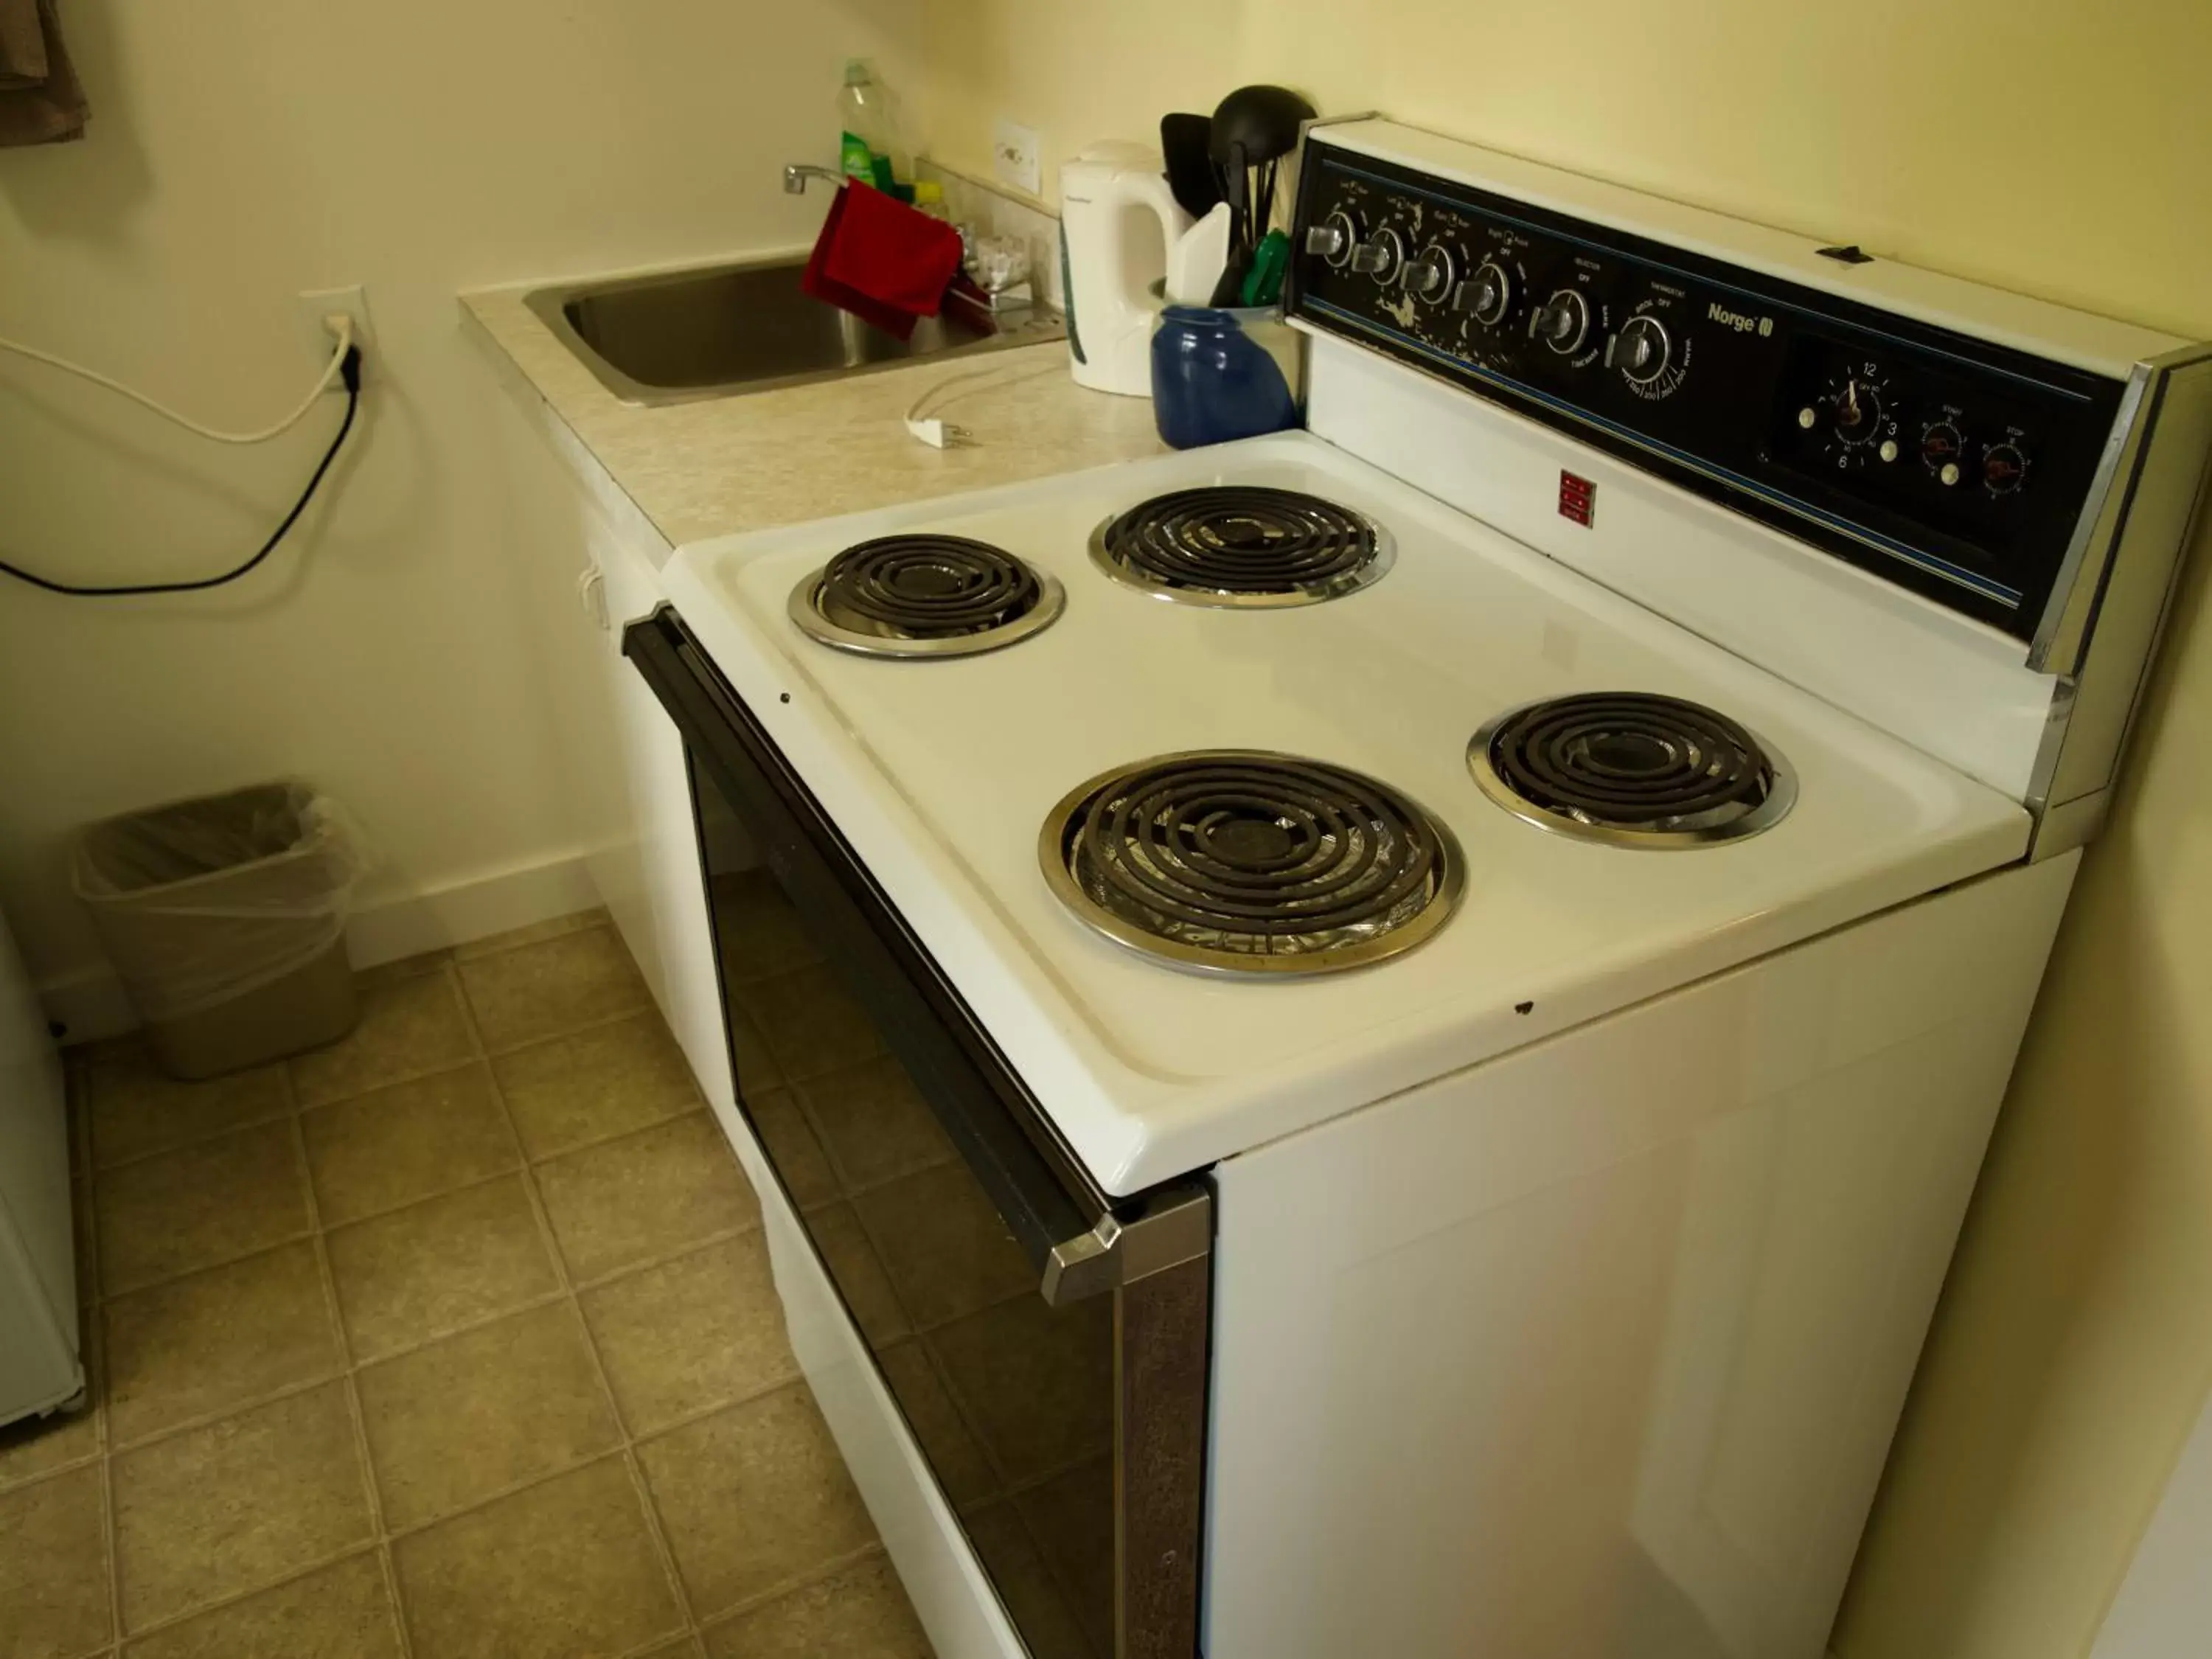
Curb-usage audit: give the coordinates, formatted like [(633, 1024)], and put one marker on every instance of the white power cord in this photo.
[(941, 433), (338, 323)]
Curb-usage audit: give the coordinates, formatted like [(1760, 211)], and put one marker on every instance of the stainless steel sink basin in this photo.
[(739, 328)]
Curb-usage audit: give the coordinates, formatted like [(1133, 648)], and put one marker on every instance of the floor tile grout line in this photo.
[(529, 1483), (85, 1162), (793, 1585), (110, 1540), (209, 1419), (384, 1534), (170, 1279), (625, 1440), (698, 1105), (76, 1464), (194, 1142), (656, 1531), (646, 1264), (357, 1363), (571, 1292), (643, 1438), (79, 1098), (334, 1312), (521, 939), (293, 1575)]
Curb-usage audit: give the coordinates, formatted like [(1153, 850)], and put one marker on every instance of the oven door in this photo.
[(1046, 1345)]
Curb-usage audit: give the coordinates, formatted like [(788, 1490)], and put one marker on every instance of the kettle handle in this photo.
[(1142, 188)]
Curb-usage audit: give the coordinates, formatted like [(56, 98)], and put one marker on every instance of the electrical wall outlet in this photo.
[(316, 304), (1017, 156)]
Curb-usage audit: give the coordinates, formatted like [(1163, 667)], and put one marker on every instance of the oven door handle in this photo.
[(1082, 1243), (1163, 1229)]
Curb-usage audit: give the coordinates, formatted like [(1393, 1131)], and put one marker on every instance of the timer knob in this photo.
[(1641, 350), (1487, 296), (1429, 275), (1940, 447), (1334, 239), (1380, 256), (2004, 468), (1562, 323)]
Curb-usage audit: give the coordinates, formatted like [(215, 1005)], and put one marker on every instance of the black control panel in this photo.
[(1956, 468)]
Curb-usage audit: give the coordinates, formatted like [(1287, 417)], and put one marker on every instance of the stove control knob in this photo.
[(1334, 239), (1642, 349), (2005, 468), (1429, 275), (1380, 256), (1487, 295), (1563, 322)]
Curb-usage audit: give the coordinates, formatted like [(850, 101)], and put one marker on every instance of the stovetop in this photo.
[(941, 773)]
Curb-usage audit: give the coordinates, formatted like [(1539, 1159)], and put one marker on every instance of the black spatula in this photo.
[(1187, 143)]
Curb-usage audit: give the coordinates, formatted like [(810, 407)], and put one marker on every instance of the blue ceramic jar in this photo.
[(1221, 374)]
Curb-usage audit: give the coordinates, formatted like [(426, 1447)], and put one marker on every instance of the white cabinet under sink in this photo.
[(590, 565)]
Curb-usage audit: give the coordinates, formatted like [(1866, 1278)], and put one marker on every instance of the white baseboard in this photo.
[(90, 1003), (471, 910)]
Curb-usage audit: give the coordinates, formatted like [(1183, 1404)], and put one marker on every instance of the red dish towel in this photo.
[(881, 260)]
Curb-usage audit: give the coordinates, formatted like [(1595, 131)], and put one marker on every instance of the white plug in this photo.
[(323, 309), (937, 435)]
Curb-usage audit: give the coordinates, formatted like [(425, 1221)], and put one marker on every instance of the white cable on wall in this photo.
[(341, 327)]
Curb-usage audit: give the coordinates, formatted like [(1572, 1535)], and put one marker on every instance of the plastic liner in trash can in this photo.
[(225, 917)]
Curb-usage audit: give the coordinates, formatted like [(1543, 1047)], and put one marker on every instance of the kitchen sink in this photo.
[(749, 327)]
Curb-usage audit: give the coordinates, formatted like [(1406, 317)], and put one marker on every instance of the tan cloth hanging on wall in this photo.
[(41, 102)]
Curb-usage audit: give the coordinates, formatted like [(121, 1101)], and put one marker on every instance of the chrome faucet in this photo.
[(796, 173)]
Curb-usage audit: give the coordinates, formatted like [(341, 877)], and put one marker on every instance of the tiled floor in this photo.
[(455, 1339)]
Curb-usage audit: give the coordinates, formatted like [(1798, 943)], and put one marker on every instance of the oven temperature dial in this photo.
[(1641, 350)]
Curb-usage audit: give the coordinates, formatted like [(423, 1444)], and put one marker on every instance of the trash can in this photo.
[(225, 918)]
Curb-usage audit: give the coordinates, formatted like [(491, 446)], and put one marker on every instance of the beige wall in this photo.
[(241, 151), (238, 157), (2057, 147)]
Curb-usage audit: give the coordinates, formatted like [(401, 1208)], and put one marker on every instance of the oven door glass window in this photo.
[(1010, 1401)]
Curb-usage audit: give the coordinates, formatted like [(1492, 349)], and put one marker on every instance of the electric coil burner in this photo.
[(918, 596), (1241, 546), (1243, 861), (1631, 769)]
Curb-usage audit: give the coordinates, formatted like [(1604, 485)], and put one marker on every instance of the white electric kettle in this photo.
[(1114, 261)]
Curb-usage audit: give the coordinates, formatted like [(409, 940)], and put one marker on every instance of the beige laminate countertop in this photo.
[(724, 465)]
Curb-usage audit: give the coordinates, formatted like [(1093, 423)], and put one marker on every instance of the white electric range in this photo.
[(1374, 1039)]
